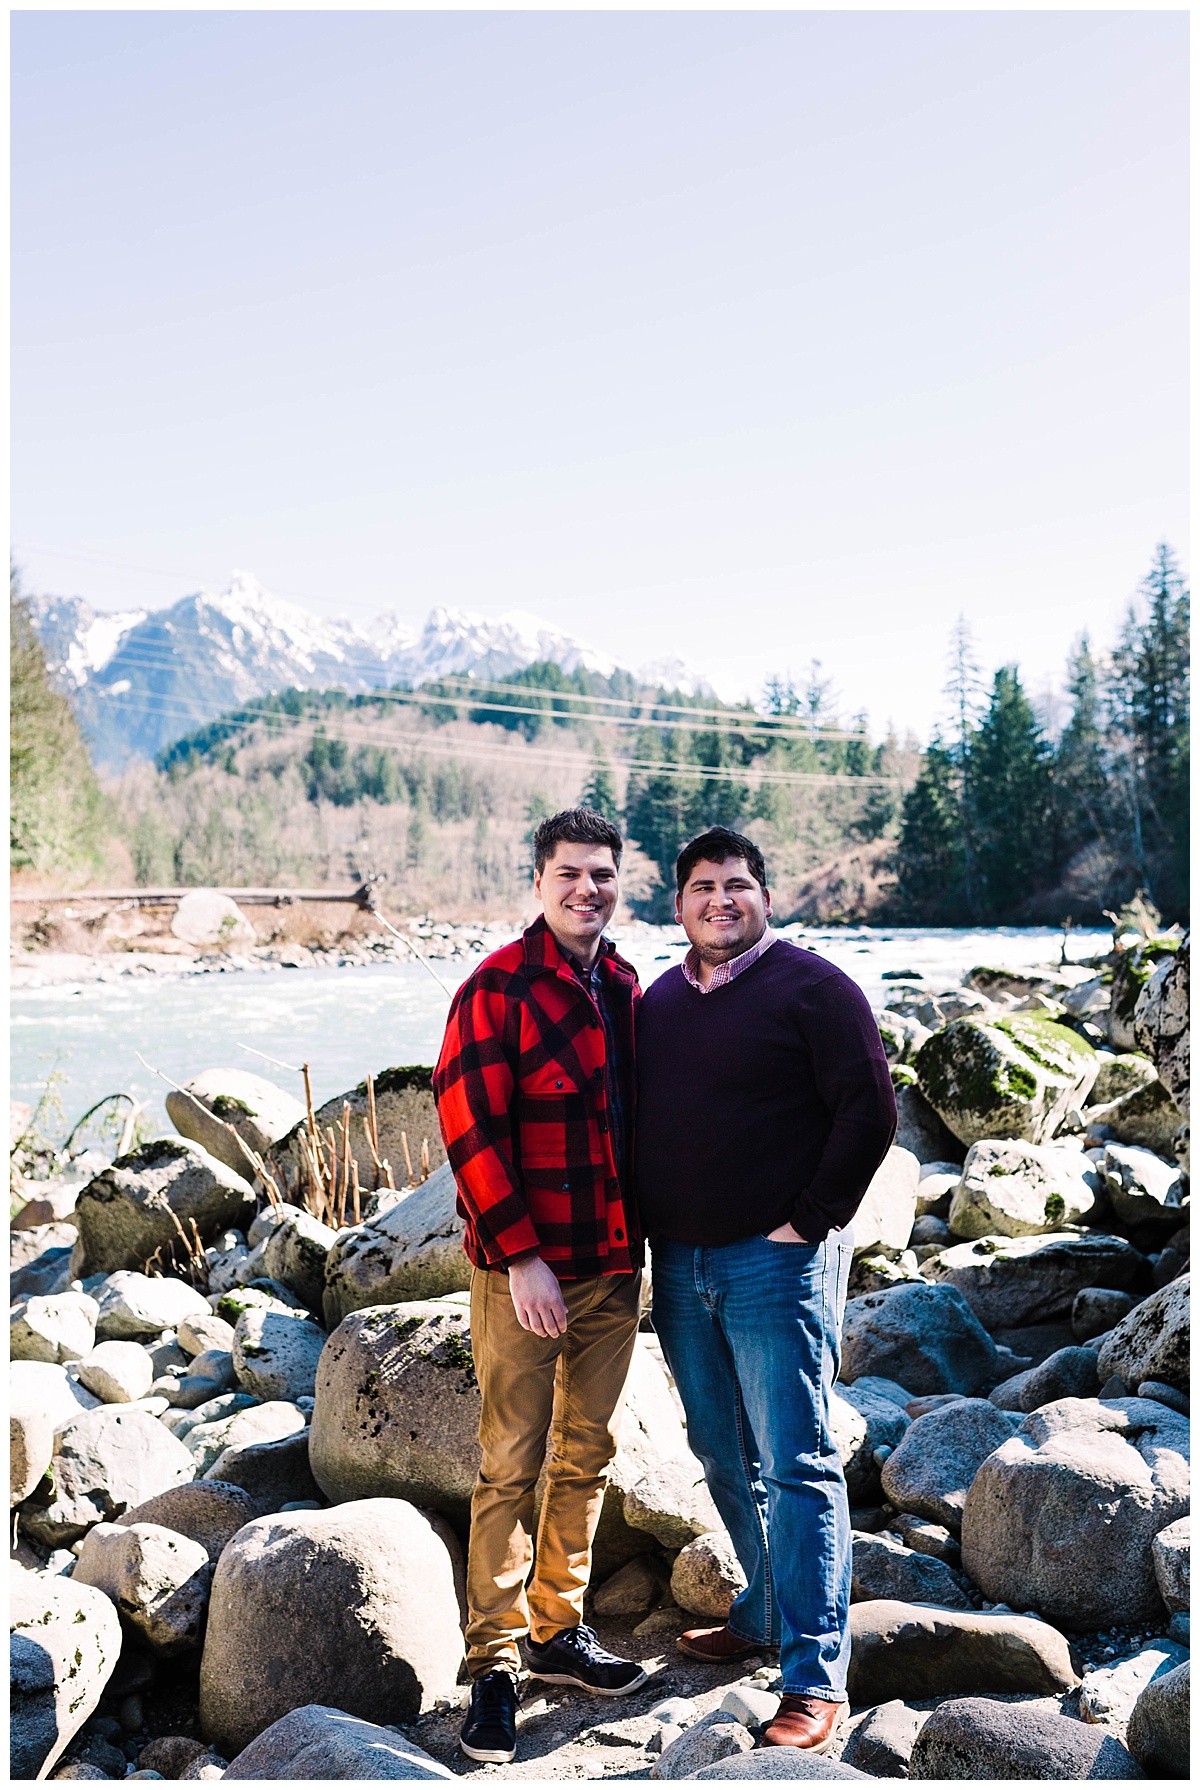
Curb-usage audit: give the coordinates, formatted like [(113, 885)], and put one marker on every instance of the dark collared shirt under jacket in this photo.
[(767, 1101)]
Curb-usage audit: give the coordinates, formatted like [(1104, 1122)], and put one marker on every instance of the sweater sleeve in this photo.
[(474, 1086), (855, 1084)]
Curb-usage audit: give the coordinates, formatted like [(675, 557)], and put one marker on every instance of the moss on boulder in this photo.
[(1009, 1078)]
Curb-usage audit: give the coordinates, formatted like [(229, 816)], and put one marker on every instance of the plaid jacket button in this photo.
[(566, 1187)]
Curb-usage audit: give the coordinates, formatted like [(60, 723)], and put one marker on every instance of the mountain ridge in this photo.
[(139, 678)]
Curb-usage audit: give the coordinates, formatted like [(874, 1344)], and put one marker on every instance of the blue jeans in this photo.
[(752, 1334)]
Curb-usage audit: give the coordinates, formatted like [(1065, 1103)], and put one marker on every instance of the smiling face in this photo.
[(578, 889), (723, 909)]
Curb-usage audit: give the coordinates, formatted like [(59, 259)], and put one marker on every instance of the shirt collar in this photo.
[(725, 972)]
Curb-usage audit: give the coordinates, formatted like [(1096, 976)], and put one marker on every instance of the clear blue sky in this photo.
[(745, 336)]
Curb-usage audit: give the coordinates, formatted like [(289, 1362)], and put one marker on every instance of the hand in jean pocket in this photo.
[(786, 1233)]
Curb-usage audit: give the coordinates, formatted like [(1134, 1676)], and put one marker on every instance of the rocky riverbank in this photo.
[(244, 1418)]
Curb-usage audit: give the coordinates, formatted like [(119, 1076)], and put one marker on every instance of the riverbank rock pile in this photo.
[(241, 1486)]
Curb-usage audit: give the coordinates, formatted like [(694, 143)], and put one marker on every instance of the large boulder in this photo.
[(159, 1580), (707, 1576), (914, 1651), (1007, 1078), (1147, 1117), (884, 1568), (30, 1447), (920, 1130), (66, 1640), (129, 1211), (1142, 1188), (357, 1602), (864, 1421), (321, 1742), (404, 1108), (781, 1762), (1017, 1189), (117, 1372), (931, 1471), (41, 1260), (1153, 1341), (1012, 1281), (1172, 1550), (397, 1408), (412, 1250), (54, 1327), (211, 921), (105, 1462), (211, 1104), (656, 1490), (975, 1738), (296, 1252), (1120, 1074), (45, 1387), (926, 1337), (207, 1511), (889, 1206), (1159, 1728), (137, 1307), (1108, 1693), (275, 1354), (1161, 1020), (1068, 1373), (1132, 973), (207, 1443), (1060, 1518), (274, 1474)]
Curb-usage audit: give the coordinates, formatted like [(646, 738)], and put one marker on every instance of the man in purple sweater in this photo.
[(764, 1108)]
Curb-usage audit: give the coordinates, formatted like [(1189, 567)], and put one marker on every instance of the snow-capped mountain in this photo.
[(141, 679)]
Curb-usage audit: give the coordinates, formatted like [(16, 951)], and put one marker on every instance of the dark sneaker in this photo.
[(489, 1732), (574, 1656)]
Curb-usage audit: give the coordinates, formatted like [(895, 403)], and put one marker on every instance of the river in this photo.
[(345, 1022)]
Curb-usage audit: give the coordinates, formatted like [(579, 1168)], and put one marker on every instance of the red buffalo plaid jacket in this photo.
[(521, 1087)]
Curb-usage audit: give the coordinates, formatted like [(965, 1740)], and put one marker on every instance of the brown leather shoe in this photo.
[(804, 1722), (717, 1645)]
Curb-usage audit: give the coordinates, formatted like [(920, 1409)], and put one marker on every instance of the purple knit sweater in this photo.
[(763, 1101)]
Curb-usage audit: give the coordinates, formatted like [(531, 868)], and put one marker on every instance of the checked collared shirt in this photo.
[(724, 972)]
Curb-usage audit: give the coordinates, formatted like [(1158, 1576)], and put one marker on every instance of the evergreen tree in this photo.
[(58, 819), (963, 688), (1082, 799), (1149, 698), (930, 861), (600, 790), (1009, 774)]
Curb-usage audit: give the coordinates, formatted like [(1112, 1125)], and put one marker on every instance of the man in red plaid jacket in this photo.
[(535, 1088)]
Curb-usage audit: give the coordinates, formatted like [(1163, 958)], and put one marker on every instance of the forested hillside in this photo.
[(1005, 817), (436, 791)]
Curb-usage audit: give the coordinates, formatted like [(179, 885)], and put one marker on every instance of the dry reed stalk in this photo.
[(347, 1159), (424, 1160), (357, 1190), (373, 1126), (407, 1157)]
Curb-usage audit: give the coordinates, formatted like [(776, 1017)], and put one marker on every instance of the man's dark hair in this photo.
[(575, 826), (714, 847)]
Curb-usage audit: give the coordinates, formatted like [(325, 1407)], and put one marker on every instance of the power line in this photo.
[(441, 747)]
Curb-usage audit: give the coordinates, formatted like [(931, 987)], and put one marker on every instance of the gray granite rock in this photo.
[(321, 1742), (974, 1738)]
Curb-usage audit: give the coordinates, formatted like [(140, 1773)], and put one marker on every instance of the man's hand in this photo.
[(785, 1233), (537, 1297)]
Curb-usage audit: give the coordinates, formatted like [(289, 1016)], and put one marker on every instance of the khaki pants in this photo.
[(568, 1388)]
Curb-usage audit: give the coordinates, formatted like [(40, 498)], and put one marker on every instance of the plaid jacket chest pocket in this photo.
[(558, 1121)]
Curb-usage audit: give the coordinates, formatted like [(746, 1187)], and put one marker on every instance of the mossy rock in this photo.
[(403, 1104), (1012, 1078), (1133, 970)]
